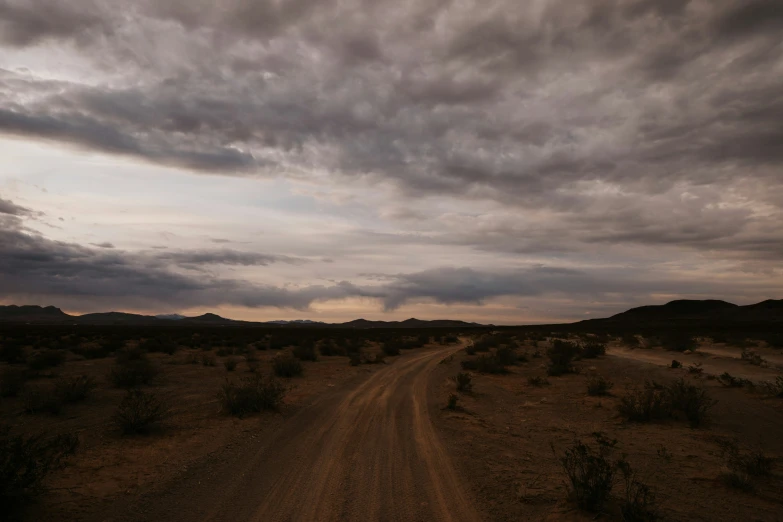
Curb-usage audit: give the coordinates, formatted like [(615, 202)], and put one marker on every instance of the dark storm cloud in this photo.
[(225, 257), (32, 266), (12, 209)]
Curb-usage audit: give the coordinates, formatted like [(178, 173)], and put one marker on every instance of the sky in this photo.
[(496, 161)]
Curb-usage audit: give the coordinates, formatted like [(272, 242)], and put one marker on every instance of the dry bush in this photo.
[(354, 358), (252, 363), (464, 382), (676, 364), (592, 350), (646, 404), (286, 365), (251, 395), (230, 364), (208, 359), (132, 368), (598, 385), (590, 472), (693, 401), (561, 356), (40, 400), (638, 504), (452, 403), (538, 381), (74, 389), (484, 364), (730, 381), (25, 462), (12, 382), (305, 351), (139, 412)]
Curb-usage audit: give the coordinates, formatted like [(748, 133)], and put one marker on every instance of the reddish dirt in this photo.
[(507, 439)]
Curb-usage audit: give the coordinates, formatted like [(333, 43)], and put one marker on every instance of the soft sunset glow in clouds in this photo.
[(499, 161)]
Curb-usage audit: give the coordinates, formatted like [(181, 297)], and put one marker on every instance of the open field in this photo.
[(375, 428)]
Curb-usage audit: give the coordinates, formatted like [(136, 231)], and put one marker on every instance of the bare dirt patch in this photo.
[(503, 438)]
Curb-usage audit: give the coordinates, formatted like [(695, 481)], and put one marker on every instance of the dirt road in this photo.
[(368, 453)]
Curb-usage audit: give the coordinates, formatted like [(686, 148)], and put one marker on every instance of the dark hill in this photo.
[(32, 313)]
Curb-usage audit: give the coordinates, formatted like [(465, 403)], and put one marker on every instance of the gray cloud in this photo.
[(10, 208), (570, 125)]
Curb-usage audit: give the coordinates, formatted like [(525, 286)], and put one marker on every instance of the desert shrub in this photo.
[(12, 352), (139, 412), (598, 385), (40, 400), (695, 369), (693, 401), (484, 364), (230, 364), (208, 359), (590, 473), (74, 389), (630, 340), (377, 358), (506, 356), (25, 462), (774, 387), (46, 359), (538, 381), (638, 503), (647, 404), (676, 364), (679, 342), (452, 403), (159, 345), (252, 363), (593, 350), (192, 358), (464, 382), (12, 382), (286, 365), (450, 339), (741, 466), (305, 352), (730, 381), (224, 351), (753, 358), (354, 358), (391, 348), (561, 356), (132, 368), (470, 349), (251, 395)]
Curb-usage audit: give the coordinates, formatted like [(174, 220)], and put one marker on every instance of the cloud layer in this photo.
[(576, 136)]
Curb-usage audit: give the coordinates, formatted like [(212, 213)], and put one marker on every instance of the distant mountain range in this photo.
[(30, 314), (675, 313), (685, 313)]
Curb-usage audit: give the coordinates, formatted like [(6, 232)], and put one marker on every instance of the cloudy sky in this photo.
[(498, 161)]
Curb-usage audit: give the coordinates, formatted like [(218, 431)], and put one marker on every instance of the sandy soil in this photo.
[(364, 452), (109, 467), (507, 439)]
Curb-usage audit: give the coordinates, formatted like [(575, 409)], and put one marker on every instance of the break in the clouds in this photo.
[(523, 159)]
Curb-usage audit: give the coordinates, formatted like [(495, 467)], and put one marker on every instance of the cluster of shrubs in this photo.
[(592, 473), (656, 401), (132, 368), (25, 462), (251, 395), (743, 466)]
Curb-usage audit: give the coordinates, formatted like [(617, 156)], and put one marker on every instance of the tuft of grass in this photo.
[(251, 395), (538, 381), (25, 462), (598, 385), (286, 365), (452, 403), (676, 364), (139, 412), (695, 369), (230, 364)]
